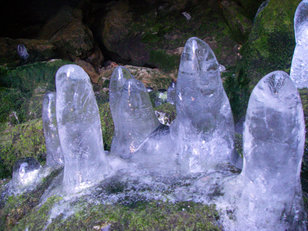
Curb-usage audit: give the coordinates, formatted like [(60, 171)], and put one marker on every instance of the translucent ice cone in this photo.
[(53, 148), (79, 129), (299, 67), (274, 137), (204, 128), (134, 117)]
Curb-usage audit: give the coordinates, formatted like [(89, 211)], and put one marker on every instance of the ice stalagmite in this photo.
[(299, 67), (117, 81), (204, 128), (79, 129), (134, 118), (274, 137), (54, 153)]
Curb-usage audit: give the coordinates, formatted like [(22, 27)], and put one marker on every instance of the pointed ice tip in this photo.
[(198, 56), (72, 71), (121, 73)]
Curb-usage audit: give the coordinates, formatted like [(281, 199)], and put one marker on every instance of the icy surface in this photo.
[(117, 81), (204, 127), (268, 191), (134, 116), (171, 93), (53, 148), (22, 51), (25, 174), (299, 67), (79, 129)]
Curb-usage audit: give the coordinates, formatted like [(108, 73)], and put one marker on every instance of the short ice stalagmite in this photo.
[(53, 148), (134, 117), (79, 129)]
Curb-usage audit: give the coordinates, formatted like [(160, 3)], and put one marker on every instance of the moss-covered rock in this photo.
[(154, 215), (150, 77), (38, 50), (68, 33), (250, 6), (148, 36), (25, 86), (239, 24), (13, 209), (269, 47), (22, 140)]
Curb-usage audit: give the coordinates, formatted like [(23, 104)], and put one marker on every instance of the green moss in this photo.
[(107, 124), (22, 140), (11, 100), (19, 209), (38, 217), (24, 87), (236, 90), (29, 76), (169, 109), (270, 47), (165, 62), (144, 216)]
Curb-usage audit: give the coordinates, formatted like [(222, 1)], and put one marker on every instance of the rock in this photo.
[(96, 58), (94, 76), (250, 6), (150, 77), (38, 50), (153, 34), (239, 24), (269, 47), (116, 38), (71, 37), (25, 86), (20, 141)]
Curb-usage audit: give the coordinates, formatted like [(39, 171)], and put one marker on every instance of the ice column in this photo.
[(133, 115), (79, 129), (274, 137), (299, 67), (204, 128), (117, 81), (54, 153)]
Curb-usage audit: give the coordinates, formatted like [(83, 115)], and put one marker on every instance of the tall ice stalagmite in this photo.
[(204, 128), (299, 67), (274, 137), (79, 129)]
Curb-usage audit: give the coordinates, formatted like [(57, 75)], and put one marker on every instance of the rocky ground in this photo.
[(148, 39)]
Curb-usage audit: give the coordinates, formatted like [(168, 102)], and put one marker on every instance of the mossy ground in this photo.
[(14, 208), (154, 215), (24, 212)]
